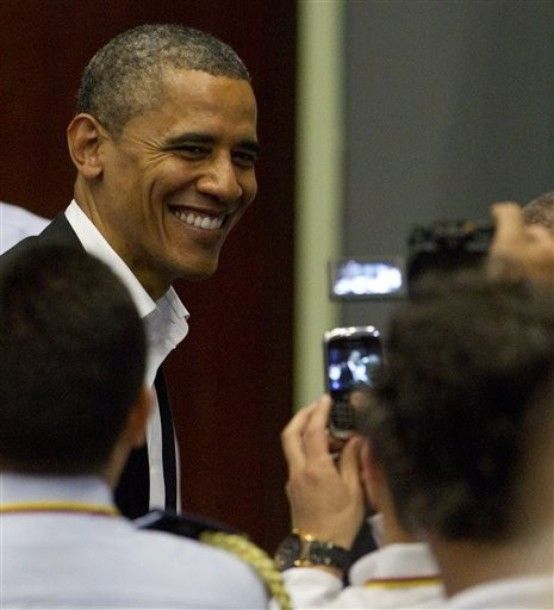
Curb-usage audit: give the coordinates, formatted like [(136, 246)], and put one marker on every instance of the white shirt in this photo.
[(525, 593), (395, 576), (166, 326), (80, 560), (17, 223)]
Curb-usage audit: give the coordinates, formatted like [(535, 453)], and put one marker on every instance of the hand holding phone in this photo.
[(351, 358)]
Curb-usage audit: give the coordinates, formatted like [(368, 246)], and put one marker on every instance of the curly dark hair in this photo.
[(466, 363)]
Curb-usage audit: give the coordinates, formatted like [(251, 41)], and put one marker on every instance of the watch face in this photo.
[(288, 552)]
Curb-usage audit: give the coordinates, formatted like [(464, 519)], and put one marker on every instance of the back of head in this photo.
[(540, 211), (466, 364), (126, 76), (72, 350)]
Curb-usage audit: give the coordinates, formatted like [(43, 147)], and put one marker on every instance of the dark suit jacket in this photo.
[(133, 491)]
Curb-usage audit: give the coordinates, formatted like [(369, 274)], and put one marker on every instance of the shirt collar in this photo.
[(165, 319), (411, 559), (95, 243), (16, 487), (166, 327)]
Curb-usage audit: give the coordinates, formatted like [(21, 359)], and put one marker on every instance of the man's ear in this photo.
[(138, 417), (371, 474), (84, 136)]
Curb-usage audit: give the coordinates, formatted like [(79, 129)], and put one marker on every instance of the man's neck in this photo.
[(154, 284), (466, 564)]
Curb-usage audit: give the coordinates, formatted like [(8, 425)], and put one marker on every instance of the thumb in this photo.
[(349, 462)]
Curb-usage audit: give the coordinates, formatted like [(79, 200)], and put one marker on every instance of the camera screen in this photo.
[(359, 278), (352, 365)]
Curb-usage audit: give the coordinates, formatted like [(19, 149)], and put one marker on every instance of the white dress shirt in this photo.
[(166, 326), (525, 593), (80, 559), (17, 223)]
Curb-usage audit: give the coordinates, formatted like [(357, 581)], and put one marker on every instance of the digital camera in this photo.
[(439, 247)]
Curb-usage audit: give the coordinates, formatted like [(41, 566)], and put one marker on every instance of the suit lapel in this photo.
[(60, 230)]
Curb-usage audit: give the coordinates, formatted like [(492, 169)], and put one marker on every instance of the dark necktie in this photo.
[(168, 442), (132, 494)]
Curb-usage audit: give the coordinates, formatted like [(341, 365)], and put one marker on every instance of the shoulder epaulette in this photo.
[(184, 524), (224, 537)]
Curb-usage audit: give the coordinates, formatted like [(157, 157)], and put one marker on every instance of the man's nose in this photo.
[(220, 180)]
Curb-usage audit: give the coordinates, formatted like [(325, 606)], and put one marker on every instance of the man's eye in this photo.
[(192, 150), (245, 158)]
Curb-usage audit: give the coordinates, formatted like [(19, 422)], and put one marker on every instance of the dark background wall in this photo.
[(454, 100), (231, 380)]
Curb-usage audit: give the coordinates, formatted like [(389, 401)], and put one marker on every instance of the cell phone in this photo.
[(352, 356), (367, 278)]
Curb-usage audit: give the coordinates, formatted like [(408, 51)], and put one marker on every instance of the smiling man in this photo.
[(165, 145)]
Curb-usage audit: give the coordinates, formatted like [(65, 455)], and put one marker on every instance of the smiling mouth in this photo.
[(198, 220)]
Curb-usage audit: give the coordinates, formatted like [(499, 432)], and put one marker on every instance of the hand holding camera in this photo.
[(519, 249), (325, 495)]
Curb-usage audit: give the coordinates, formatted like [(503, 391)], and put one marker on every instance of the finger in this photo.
[(509, 225), (292, 437), (316, 437), (349, 463)]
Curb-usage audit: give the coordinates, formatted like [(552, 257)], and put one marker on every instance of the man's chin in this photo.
[(197, 273)]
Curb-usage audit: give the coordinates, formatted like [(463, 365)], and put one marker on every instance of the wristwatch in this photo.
[(299, 550)]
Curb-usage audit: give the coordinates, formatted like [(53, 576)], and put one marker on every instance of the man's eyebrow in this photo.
[(202, 138)]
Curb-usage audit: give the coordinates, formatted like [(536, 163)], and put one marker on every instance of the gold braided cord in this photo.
[(48, 506), (262, 563)]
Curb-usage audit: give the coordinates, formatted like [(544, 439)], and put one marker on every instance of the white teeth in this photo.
[(199, 220)]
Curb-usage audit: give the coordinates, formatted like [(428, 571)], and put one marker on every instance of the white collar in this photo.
[(95, 243), (19, 487), (166, 318), (410, 559), (518, 592)]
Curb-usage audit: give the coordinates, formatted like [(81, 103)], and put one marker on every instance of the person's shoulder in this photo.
[(177, 542), (9, 250), (57, 231)]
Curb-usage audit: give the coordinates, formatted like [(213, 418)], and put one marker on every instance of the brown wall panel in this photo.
[(231, 380)]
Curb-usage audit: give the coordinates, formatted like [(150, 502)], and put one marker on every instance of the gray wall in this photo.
[(449, 108)]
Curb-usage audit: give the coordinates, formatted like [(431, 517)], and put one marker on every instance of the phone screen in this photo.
[(352, 357), (358, 278), (352, 363)]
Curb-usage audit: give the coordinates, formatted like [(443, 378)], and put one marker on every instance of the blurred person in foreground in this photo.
[(456, 450), (67, 322), (462, 408)]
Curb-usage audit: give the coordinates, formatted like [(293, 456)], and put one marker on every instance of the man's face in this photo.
[(179, 178)]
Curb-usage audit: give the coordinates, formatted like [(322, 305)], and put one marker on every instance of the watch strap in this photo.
[(300, 549)]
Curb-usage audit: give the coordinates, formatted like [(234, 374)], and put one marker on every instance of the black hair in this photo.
[(72, 353), (126, 76), (466, 363)]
